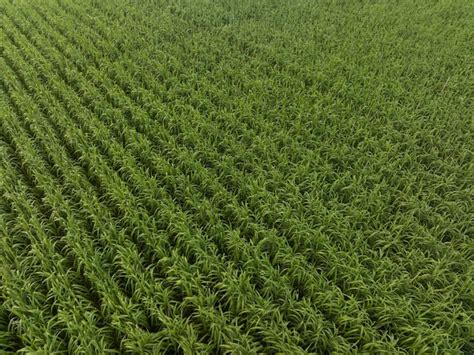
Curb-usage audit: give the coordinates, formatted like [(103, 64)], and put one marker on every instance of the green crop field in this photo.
[(219, 176)]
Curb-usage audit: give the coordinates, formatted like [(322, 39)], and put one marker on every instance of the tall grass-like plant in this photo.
[(219, 177)]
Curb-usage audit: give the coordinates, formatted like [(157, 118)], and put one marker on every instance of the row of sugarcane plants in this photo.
[(169, 214)]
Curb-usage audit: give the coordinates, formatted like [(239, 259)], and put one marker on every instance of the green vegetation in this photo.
[(236, 176)]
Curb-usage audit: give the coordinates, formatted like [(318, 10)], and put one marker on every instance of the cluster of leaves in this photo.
[(252, 176)]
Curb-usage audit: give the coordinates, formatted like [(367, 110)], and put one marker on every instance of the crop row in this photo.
[(162, 220)]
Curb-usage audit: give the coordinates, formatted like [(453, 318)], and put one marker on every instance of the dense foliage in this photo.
[(236, 176)]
